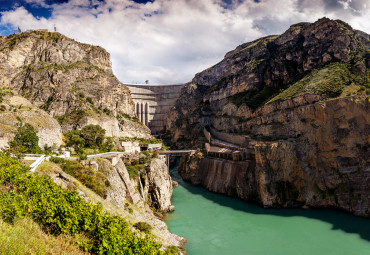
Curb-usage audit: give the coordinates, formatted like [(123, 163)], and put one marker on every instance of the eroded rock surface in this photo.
[(71, 81)]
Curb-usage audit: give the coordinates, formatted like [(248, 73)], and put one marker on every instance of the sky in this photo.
[(169, 41)]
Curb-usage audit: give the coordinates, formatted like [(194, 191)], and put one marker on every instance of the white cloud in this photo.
[(168, 41)]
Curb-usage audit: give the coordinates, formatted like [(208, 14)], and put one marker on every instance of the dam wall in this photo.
[(153, 102)]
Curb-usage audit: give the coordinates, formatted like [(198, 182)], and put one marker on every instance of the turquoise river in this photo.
[(216, 224)]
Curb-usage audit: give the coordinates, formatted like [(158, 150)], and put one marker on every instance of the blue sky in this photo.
[(168, 41)]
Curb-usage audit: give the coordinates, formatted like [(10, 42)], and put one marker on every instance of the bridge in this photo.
[(176, 153), (153, 102)]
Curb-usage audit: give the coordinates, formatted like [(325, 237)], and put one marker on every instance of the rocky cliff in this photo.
[(122, 197), (320, 59), (15, 109), (72, 81), (159, 185), (298, 103)]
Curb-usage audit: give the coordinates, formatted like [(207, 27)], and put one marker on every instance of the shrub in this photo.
[(143, 227), (60, 211), (25, 140), (93, 135), (92, 179), (89, 99)]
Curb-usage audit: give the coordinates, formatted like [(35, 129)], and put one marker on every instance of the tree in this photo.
[(25, 140), (73, 139), (93, 135), (108, 144)]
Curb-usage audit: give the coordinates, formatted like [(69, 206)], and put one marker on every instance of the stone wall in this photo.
[(153, 102)]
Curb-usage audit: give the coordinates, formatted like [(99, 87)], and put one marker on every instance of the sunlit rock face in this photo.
[(299, 103), (70, 80)]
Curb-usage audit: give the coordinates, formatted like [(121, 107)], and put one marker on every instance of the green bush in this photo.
[(143, 227), (25, 140), (91, 136), (92, 179), (60, 211)]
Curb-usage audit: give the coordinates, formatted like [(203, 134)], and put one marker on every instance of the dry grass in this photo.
[(48, 167), (26, 237)]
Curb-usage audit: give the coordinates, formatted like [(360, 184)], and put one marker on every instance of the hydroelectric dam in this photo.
[(153, 102)]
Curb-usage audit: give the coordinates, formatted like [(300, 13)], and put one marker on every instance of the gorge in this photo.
[(283, 121)]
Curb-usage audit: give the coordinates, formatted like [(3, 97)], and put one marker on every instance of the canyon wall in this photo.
[(321, 160)]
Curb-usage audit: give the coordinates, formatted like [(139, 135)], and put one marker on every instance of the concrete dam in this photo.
[(153, 102)]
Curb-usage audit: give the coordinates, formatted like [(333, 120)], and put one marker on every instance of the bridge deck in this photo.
[(176, 152)]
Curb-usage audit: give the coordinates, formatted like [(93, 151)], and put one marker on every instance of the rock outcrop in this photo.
[(121, 197), (318, 60), (298, 103), (16, 109), (71, 81), (159, 185), (321, 158)]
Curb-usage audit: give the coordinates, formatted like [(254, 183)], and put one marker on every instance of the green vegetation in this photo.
[(139, 165), (252, 98), (25, 236), (72, 117), (122, 117), (329, 81), (90, 137), (141, 140), (143, 227), (95, 180), (25, 140), (4, 92), (59, 211)]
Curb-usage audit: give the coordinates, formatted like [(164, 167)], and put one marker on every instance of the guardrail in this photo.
[(105, 154), (37, 162)]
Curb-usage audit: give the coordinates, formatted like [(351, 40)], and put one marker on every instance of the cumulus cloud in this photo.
[(168, 41)]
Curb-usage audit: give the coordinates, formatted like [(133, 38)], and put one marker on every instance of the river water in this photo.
[(216, 224)]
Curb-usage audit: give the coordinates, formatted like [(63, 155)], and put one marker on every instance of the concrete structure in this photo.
[(131, 147), (153, 102)]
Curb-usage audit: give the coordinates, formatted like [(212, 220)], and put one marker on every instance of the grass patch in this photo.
[(63, 212), (122, 117), (133, 170), (329, 81), (95, 180), (26, 237), (4, 92), (252, 98)]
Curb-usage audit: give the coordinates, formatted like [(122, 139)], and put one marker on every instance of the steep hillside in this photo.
[(15, 109), (297, 107), (72, 81), (322, 59)]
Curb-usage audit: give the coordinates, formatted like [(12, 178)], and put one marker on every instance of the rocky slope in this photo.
[(159, 186), (15, 109), (71, 81), (122, 197), (321, 58), (298, 104)]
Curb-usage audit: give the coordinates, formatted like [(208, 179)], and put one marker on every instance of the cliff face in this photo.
[(121, 198), (14, 109), (298, 103), (321, 158), (159, 185), (319, 60), (71, 81)]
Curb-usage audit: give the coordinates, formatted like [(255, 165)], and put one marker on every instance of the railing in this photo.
[(104, 155), (37, 162)]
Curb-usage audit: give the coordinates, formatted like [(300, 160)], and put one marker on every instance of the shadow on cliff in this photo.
[(339, 220)]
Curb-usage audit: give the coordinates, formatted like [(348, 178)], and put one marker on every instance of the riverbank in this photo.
[(216, 224)]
